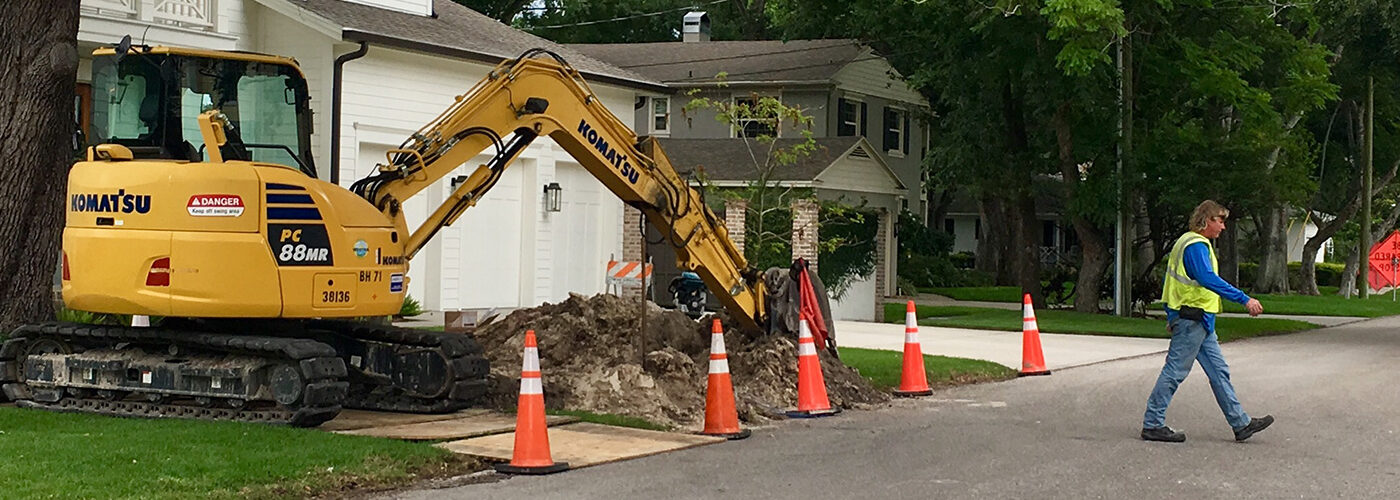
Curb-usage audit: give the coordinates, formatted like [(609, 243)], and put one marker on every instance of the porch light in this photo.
[(553, 194)]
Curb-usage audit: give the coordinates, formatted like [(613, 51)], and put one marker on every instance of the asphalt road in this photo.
[(1335, 393)]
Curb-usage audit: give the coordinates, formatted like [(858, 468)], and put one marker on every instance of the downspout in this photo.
[(335, 106)]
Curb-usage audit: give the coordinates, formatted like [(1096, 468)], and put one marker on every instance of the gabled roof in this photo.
[(453, 30), (768, 61), (732, 160)]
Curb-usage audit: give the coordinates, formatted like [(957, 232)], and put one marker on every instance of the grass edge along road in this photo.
[(1070, 322), (69, 455), (1326, 304), (883, 368)]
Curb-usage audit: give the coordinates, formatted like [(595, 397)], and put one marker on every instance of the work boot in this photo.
[(1164, 434), (1254, 425)]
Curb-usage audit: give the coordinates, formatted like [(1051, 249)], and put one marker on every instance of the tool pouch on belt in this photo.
[(1192, 313)]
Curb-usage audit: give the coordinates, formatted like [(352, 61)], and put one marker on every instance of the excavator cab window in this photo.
[(150, 103)]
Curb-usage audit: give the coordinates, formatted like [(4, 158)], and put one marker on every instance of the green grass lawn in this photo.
[(1327, 304), (979, 293), (88, 456), (883, 368), (1085, 323)]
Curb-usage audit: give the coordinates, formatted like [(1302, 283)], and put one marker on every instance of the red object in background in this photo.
[(1382, 261)]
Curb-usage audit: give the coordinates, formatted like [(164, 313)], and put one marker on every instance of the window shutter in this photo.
[(863, 121), (907, 132)]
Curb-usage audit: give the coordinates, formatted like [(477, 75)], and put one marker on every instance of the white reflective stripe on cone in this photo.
[(803, 331), (719, 366), (806, 349), (531, 385), (910, 320), (716, 343), (1027, 310), (911, 338), (532, 359)]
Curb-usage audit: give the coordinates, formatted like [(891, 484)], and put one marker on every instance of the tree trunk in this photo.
[(1094, 251), (1273, 264), (1227, 250), (1378, 231), (39, 72), (1027, 245), (994, 248)]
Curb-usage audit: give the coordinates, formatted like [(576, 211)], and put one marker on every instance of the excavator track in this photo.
[(150, 372), (406, 370)]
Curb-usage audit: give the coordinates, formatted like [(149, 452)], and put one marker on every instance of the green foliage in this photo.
[(411, 307), (1328, 274), (846, 252)]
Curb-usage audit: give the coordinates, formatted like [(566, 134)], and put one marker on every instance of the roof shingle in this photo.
[(458, 31), (731, 160), (809, 61)]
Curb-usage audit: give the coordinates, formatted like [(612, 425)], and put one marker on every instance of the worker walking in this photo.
[(1192, 293)]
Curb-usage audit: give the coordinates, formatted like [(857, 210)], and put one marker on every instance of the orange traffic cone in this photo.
[(531, 453), (721, 419), (914, 380), (811, 387), (1032, 360)]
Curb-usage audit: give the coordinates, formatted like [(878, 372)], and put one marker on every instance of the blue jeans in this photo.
[(1191, 340)]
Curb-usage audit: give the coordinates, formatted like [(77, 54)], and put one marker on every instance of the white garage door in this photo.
[(585, 231), (482, 250)]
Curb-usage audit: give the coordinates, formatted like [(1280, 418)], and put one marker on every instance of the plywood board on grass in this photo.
[(585, 444), (478, 424), (364, 419)]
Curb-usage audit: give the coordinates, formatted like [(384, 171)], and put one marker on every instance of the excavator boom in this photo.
[(538, 94)]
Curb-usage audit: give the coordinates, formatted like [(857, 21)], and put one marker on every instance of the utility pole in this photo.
[(1364, 262), (1123, 248)]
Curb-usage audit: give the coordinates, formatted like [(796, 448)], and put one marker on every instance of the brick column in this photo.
[(884, 245), (735, 218), (804, 231), (631, 245)]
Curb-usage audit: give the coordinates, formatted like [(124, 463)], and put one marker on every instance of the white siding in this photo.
[(861, 175), (872, 77), (419, 7), (858, 303), (103, 22)]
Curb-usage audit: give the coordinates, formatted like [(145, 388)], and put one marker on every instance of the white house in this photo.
[(420, 54)]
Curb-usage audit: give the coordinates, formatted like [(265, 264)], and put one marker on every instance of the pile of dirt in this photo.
[(593, 358)]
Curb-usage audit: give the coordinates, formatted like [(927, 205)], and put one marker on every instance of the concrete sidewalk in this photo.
[(1061, 351), (928, 299)]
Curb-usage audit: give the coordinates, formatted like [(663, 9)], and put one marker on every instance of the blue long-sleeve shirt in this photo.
[(1197, 260)]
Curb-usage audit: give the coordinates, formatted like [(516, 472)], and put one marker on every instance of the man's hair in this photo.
[(1204, 212)]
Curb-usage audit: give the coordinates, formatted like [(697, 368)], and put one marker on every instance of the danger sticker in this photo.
[(215, 205)]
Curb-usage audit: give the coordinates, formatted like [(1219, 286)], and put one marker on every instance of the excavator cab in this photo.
[(149, 101)]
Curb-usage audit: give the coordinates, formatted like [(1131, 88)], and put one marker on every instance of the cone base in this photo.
[(732, 436), (813, 413), (913, 394), (534, 471), (1032, 374)]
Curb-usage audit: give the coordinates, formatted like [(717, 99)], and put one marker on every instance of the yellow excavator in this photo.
[(198, 203)]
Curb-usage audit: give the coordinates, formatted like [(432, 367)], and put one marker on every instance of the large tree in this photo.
[(38, 70)]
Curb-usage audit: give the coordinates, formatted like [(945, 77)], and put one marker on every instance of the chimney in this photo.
[(696, 27)]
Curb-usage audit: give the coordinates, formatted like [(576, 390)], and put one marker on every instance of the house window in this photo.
[(661, 114), (977, 229), (750, 123), (896, 131), (851, 114), (1047, 234), (949, 225)]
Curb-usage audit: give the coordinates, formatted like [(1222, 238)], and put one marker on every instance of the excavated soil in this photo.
[(598, 355)]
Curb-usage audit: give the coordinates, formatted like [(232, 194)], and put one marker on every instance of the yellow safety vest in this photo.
[(1178, 289)]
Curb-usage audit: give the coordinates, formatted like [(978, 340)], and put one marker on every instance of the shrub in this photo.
[(411, 307)]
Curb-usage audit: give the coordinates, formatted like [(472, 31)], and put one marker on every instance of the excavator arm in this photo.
[(539, 94)]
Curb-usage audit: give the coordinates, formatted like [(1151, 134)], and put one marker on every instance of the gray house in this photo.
[(870, 126)]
